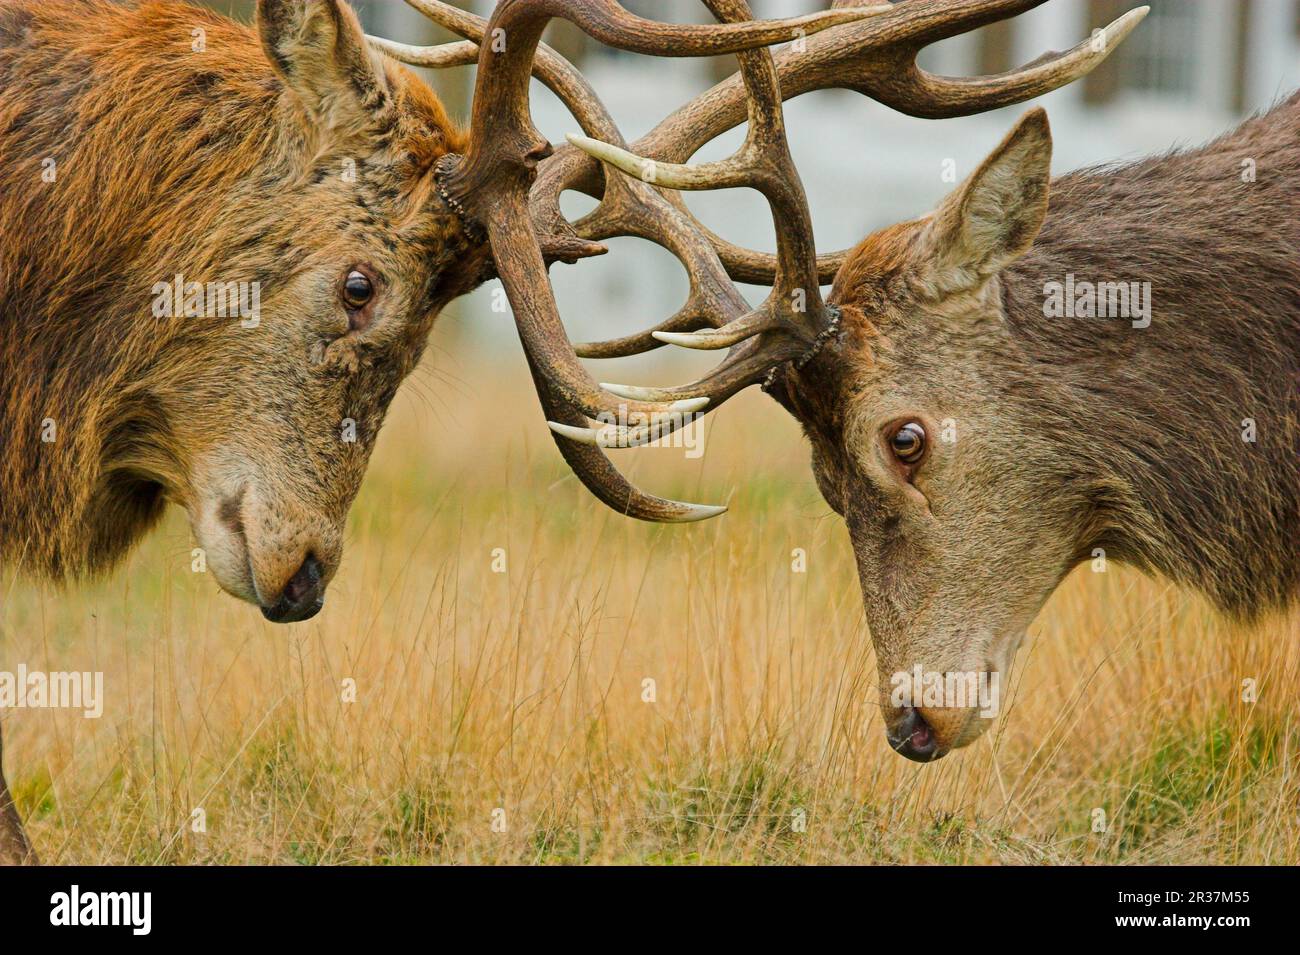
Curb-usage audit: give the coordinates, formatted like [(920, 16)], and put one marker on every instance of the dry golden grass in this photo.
[(522, 691)]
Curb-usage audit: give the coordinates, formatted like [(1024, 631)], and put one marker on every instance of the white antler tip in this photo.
[(689, 404), (593, 147), (619, 158), (699, 512), (685, 339), (1124, 25), (630, 392), (581, 435)]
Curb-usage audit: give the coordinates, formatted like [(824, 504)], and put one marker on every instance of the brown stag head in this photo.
[(277, 425), (215, 298)]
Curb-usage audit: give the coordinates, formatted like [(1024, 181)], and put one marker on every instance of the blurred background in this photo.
[(1190, 71)]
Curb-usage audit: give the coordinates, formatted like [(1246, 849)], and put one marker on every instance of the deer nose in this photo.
[(913, 737), (302, 597)]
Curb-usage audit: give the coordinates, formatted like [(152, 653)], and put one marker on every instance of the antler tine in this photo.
[(600, 476), (876, 57), (748, 365), (686, 319), (460, 53), (938, 97), (744, 366), (451, 18)]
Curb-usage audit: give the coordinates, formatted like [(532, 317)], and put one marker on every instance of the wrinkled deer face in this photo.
[(922, 444), (352, 257)]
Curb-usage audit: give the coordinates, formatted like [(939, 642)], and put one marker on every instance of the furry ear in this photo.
[(320, 51), (993, 217)]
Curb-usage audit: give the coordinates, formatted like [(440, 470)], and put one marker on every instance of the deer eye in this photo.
[(908, 443), (357, 290)]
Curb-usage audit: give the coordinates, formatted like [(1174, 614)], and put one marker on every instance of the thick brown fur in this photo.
[(141, 141), (1071, 437)]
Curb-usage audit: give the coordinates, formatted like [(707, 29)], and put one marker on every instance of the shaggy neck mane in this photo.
[(83, 448), (157, 160), (1154, 417)]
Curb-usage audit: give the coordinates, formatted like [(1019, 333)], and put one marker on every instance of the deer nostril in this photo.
[(913, 737), (306, 579), (302, 597)]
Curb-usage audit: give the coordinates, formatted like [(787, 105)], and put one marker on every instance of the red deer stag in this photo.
[(1038, 374), (225, 248)]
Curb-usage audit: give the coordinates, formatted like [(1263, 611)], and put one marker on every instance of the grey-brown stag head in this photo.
[(925, 440)]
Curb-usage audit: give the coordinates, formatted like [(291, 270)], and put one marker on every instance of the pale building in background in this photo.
[(1191, 70)]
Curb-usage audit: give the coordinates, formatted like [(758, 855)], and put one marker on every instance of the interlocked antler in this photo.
[(489, 187), (870, 49)]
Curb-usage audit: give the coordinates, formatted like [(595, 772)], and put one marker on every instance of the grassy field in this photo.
[(502, 717)]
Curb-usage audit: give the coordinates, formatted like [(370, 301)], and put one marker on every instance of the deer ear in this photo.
[(993, 217), (320, 51)]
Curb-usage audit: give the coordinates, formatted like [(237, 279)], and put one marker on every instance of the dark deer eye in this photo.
[(908, 443), (357, 290)]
